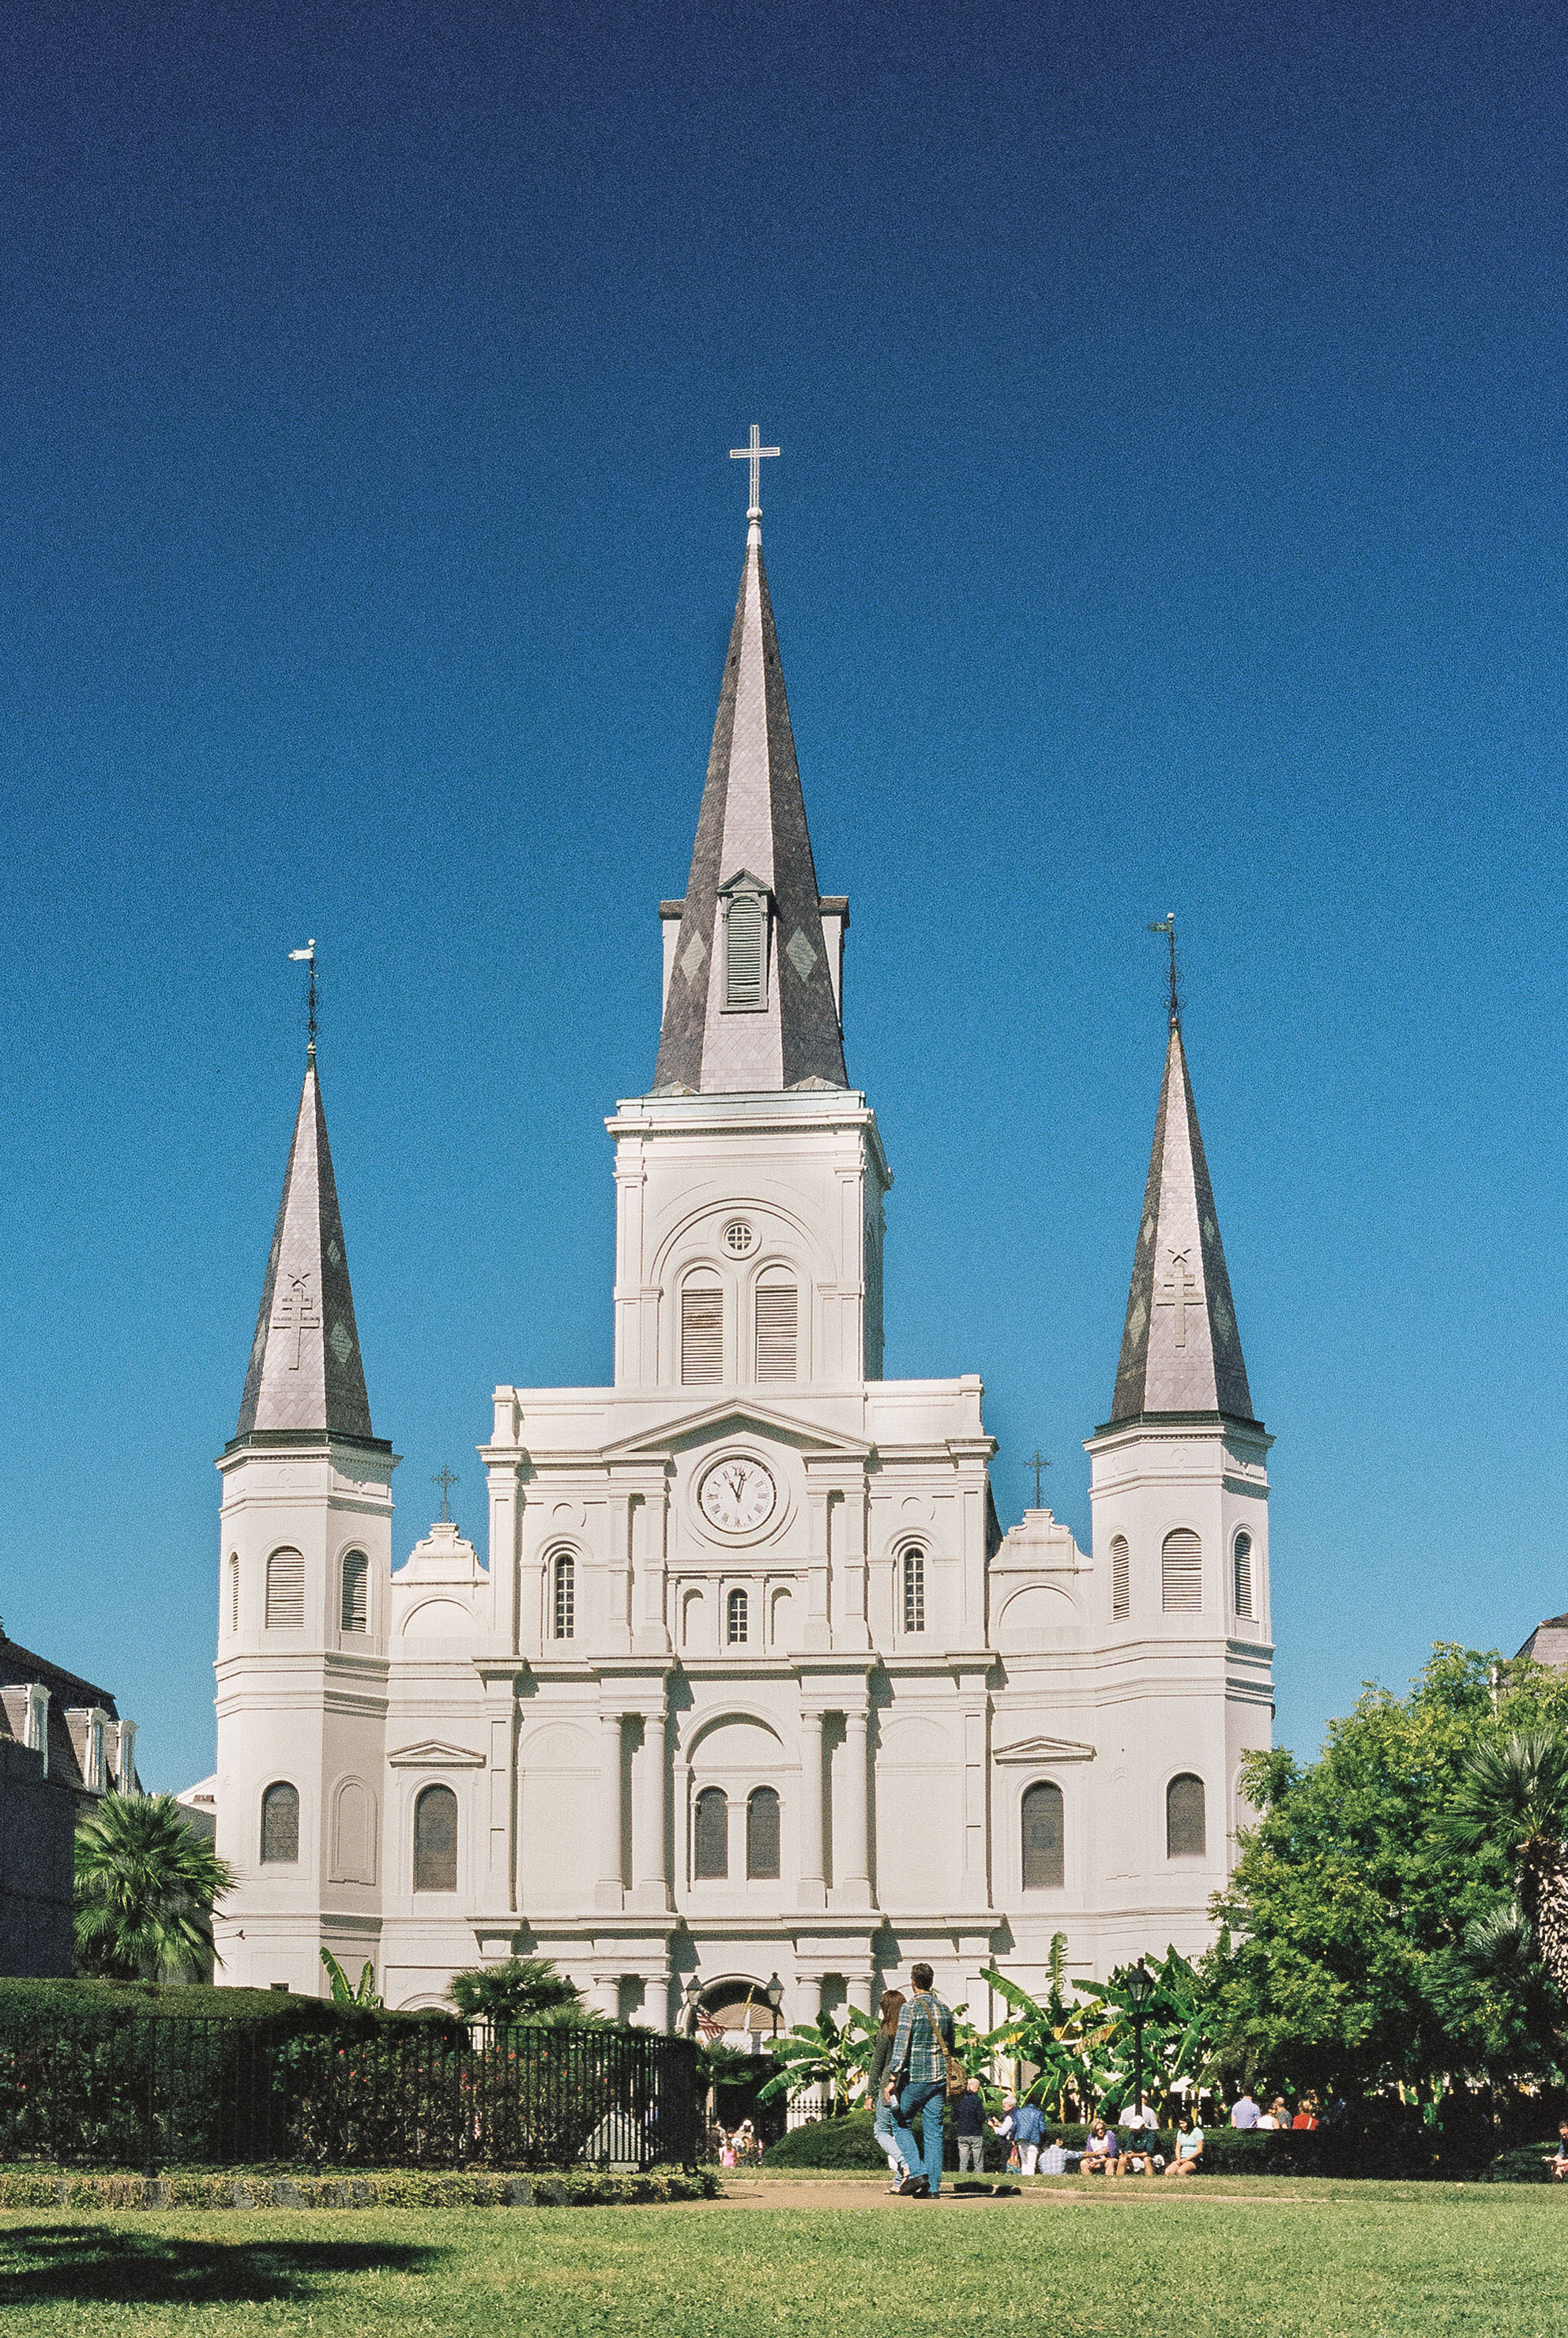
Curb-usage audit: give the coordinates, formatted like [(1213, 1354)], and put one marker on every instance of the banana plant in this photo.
[(1178, 2041), (343, 1991), (824, 2053), (1064, 2047)]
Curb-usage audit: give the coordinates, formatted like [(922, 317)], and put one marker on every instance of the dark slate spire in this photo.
[(752, 839), (1180, 1350), (305, 1371)]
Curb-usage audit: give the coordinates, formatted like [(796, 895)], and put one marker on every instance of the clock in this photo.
[(737, 1495)]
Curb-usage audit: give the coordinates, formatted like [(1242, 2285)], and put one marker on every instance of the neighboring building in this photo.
[(1548, 1643), (62, 1745), (751, 1678)]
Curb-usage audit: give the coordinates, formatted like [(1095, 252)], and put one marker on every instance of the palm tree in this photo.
[(146, 1887), (522, 1989), (1514, 1797)]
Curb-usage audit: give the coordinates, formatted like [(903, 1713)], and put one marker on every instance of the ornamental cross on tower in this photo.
[(756, 454), (295, 1309), (1038, 1463), (446, 1477), (1180, 1290)]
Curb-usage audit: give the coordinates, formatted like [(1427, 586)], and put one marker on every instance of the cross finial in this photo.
[(445, 1478), (756, 454), (1167, 926), (1037, 1462)]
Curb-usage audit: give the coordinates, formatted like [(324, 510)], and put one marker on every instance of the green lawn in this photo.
[(1278, 2260)]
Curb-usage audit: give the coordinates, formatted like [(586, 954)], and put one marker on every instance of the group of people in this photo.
[(1248, 2113), (737, 2149)]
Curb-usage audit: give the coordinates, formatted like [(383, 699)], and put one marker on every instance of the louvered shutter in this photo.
[(1181, 1573), (743, 951), (286, 1592), (1120, 1577), (1244, 1575), (778, 1307), (356, 1592), (702, 1332)]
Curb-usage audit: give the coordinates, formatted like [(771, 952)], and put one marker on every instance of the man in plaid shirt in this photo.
[(917, 2081)]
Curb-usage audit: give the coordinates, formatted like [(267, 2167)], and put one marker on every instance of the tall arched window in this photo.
[(737, 1617), (1243, 1553), (1120, 1577), (1185, 1829), (234, 1591), (762, 1835), (913, 1573), (1044, 1866), (777, 1327), (280, 1825), (286, 1591), (356, 1592), (564, 1596), (435, 1840), (702, 1329), (711, 1836), (1181, 1573)]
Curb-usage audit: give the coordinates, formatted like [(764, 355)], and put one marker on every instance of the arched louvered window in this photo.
[(280, 1825), (738, 1619), (711, 1836), (234, 1591), (1184, 1827), (356, 1592), (913, 1569), (778, 1325), (1181, 1573), (1044, 1868), (702, 1329), (745, 955), (564, 1596), (1242, 1550), (435, 1840), (1120, 1577), (763, 1835), (286, 1591)]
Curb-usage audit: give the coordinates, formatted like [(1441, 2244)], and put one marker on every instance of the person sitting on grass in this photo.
[(1306, 2113), (1102, 2151), (1188, 2147), (1557, 2165)]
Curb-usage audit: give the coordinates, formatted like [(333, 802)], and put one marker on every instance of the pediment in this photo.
[(1042, 1749), (431, 1753), (743, 881), (729, 1419)]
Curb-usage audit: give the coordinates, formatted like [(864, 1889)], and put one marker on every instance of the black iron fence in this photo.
[(139, 2091)]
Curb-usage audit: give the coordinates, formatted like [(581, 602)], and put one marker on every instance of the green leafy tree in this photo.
[(522, 1989), (146, 1886), (827, 2053), (343, 1991)]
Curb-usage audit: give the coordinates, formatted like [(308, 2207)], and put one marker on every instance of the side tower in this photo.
[(304, 1597), (1179, 1490)]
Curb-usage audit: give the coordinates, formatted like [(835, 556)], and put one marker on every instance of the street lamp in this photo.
[(1139, 1989), (775, 1996), (693, 1993)]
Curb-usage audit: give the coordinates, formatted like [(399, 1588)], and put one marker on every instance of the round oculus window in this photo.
[(738, 1237), (737, 1496)]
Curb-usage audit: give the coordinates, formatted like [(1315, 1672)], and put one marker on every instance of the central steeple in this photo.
[(751, 1005)]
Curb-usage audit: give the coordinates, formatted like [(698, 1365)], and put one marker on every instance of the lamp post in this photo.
[(775, 1996), (1139, 1989)]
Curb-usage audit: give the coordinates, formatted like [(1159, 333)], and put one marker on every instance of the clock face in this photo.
[(737, 1495)]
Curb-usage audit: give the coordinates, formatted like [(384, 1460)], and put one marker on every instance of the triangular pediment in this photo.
[(432, 1754), (729, 1418), (1042, 1749), (743, 881)]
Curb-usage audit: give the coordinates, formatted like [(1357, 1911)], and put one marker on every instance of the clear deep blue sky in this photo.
[(1172, 516)]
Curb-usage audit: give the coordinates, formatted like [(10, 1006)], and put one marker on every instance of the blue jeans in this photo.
[(881, 2128), (927, 2096)]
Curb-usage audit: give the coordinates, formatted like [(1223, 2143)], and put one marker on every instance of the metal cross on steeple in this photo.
[(1167, 926), (756, 454), (1037, 1462), (308, 955), (445, 1478)]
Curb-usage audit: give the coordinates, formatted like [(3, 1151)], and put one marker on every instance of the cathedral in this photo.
[(749, 1691)]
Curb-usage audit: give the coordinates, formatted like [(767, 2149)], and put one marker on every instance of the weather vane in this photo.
[(445, 1478), (1037, 1462), (756, 454), (1167, 926), (308, 955)]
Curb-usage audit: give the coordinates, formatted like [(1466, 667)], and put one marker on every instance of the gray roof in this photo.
[(1548, 1643), (1180, 1349), (751, 825), (305, 1371)]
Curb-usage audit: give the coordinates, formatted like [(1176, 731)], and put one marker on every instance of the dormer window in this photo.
[(746, 946)]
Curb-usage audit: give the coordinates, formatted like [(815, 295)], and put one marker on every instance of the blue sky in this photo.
[(1171, 515)]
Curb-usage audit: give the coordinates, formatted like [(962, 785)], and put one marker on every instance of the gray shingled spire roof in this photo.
[(305, 1371), (751, 826), (1180, 1349)]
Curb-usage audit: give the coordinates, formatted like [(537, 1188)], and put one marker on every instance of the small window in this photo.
[(744, 957), (286, 1592), (762, 1836), (1185, 1828), (914, 1591), (778, 1311), (280, 1825), (1120, 1577), (564, 1596), (1181, 1573), (738, 1237), (702, 1330), (435, 1840), (736, 1619), (711, 1836), (234, 1591), (1244, 1575), (356, 1592), (1043, 1865)]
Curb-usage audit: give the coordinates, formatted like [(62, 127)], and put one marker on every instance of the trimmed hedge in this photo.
[(849, 2143), (1525, 2163), (399, 2188), (113, 2001)]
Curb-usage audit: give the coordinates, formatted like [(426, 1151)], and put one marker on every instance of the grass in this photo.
[(1271, 2260)]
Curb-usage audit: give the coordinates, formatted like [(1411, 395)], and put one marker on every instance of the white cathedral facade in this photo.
[(748, 1683)]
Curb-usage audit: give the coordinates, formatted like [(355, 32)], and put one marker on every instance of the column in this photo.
[(650, 1875), (816, 1634), (847, 1520), (608, 1891), (858, 1987), (649, 1528), (807, 1998), (852, 1864), (812, 1889)]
